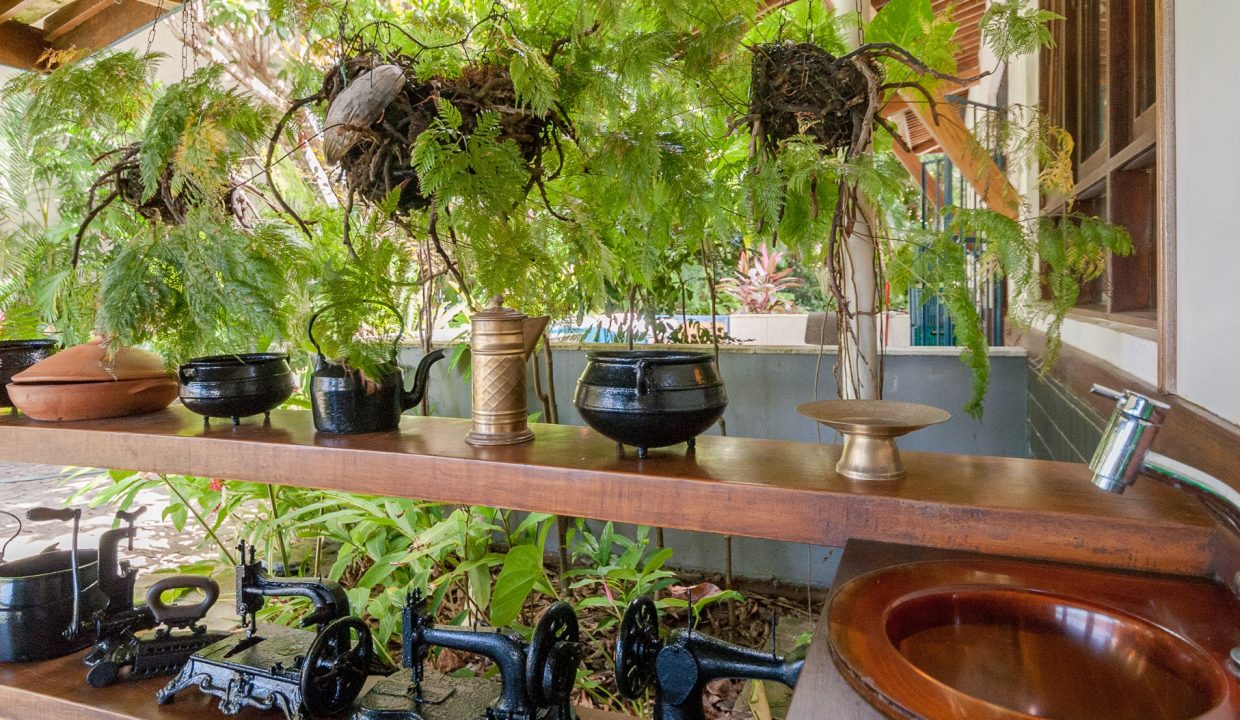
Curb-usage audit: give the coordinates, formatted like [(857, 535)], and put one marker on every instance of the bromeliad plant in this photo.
[(759, 285)]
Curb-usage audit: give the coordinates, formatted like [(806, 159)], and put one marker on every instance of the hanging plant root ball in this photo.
[(800, 88), (164, 206), (376, 155)]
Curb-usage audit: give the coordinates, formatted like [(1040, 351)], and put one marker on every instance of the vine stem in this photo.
[(275, 520), (188, 506)]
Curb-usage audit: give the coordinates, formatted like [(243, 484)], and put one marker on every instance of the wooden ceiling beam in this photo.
[(916, 169), (20, 46), (71, 16), (9, 9), (113, 22), (973, 161)]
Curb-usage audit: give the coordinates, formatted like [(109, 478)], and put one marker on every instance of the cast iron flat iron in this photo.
[(536, 678), (680, 667), (123, 644), (298, 671)]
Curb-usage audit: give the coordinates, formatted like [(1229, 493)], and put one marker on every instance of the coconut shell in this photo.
[(359, 105)]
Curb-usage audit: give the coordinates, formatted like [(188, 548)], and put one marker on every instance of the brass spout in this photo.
[(533, 329)]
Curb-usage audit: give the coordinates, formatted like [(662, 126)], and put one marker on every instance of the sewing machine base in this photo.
[(443, 698), (244, 673)]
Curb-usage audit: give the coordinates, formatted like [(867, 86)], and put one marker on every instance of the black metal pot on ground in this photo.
[(650, 398), (235, 386), (17, 355), (346, 402)]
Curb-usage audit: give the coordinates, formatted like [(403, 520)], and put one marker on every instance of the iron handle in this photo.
[(642, 380), (40, 514), (165, 613), (395, 345)]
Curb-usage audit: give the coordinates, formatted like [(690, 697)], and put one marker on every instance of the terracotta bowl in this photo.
[(92, 400)]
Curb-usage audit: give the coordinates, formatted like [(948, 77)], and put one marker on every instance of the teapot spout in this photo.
[(421, 379), (533, 329)]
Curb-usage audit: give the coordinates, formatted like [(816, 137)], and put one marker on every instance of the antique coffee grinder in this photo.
[(300, 672), (121, 628), (501, 340), (681, 666), (536, 679)]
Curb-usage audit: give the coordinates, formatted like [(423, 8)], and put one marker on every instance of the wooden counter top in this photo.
[(759, 488)]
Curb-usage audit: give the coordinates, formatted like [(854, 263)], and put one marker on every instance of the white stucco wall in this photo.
[(1207, 156)]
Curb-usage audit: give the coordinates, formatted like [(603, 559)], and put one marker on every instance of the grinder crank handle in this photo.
[(129, 517), (41, 514), (181, 614)]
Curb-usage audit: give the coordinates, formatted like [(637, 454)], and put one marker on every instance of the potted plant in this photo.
[(769, 314)]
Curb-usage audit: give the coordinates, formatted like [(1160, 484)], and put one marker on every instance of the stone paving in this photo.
[(158, 544)]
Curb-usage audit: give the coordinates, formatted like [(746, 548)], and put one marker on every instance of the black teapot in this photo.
[(345, 402)]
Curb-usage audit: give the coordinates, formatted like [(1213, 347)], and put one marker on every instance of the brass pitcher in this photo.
[(501, 341)]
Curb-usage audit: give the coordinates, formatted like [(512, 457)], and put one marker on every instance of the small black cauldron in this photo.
[(17, 355), (235, 386), (650, 398)]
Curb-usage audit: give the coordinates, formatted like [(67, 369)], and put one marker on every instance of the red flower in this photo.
[(217, 484)]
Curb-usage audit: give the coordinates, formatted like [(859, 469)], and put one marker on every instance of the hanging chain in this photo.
[(193, 29), (186, 11), (150, 38)]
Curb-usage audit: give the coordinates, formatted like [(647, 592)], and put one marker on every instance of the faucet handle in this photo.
[(1133, 404), (1107, 392)]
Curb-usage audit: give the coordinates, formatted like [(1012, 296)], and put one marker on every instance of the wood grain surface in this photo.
[(758, 488)]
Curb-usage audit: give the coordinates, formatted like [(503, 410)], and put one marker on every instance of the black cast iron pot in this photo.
[(17, 355), (235, 386), (346, 402), (650, 398), (36, 604)]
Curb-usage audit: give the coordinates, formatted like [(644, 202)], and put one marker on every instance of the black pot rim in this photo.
[(27, 344), (653, 357), (236, 360)]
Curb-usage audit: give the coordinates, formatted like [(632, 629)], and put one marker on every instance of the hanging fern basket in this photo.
[(801, 89), (377, 110)]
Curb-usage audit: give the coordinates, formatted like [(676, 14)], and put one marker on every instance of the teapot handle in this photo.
[(395, 345)]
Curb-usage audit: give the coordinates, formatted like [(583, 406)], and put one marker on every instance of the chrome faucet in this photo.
[(1124, 453)]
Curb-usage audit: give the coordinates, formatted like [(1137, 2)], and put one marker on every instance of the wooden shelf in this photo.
[(758, 488), (57, 689)]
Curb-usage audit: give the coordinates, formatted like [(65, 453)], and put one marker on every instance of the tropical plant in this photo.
[(759, 284)]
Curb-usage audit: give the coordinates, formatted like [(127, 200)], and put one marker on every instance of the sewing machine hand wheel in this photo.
[(637, 647), (336, 666), (181, 614), (553, 656)]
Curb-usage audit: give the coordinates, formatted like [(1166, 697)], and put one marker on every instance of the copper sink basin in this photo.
[(1008, 639)]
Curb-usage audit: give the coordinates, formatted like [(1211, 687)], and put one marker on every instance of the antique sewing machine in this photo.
[(301, 672), (125, 634), (680, 666), (536, 678)]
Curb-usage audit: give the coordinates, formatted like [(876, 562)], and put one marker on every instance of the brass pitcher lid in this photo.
[(495, 310)]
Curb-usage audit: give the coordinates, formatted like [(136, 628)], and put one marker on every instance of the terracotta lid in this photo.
[(90, 363)]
